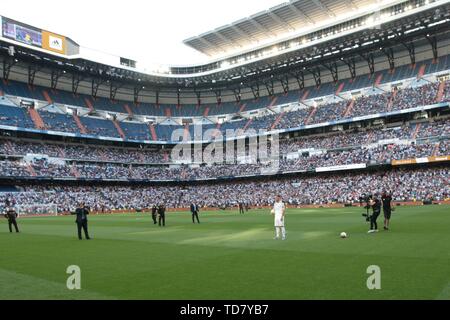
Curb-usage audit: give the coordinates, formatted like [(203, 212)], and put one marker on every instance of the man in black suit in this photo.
[(195, 210), (82, 220), (154, 213), (241, 208), (162, 215), (11, 215), (386, 199)]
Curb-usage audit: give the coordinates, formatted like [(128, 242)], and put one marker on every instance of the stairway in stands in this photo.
[(277, 121), (421, 72), (89, 104), (273, 102), (47, 97), (340, 88), (128, 110), (348, 111), (436, 149), (392, 98), (378, 80), (247, 125), (119, 129), (206, 112), (153, 132), (31, 170), (9, 147), (103, 155), (440, 93), (312, 112), (75, 172), (305, 95), (141, 157), (37, 120), (61, 152), (416, 131), (186, 133), (80, 124), (383, 154)]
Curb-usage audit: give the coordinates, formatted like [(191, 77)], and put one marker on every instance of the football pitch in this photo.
[(230, 256)]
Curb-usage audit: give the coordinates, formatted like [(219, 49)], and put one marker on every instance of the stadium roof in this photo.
[(280, 21)]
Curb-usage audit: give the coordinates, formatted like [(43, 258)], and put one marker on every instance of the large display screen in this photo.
[(15, 31)]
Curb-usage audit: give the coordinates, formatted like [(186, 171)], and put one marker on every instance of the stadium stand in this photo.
[(383, 123), (365, 105), (420, 94), (429, 184), (373, 146)]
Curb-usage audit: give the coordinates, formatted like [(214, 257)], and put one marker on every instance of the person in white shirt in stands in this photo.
[(279, 210)]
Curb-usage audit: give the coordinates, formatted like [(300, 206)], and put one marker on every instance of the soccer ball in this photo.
[(343, 235), (272, 211)]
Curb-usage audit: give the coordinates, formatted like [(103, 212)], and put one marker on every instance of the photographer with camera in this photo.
[(364, 201), (375, 204)]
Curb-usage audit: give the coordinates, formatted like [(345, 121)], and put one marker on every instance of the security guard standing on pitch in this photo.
[(386, 198), (154, 213), (162, 215), (82, 220), (241, 207), (11, 215), (195, 210)]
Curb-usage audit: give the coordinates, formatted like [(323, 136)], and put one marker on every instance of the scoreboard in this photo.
[(28, 35)]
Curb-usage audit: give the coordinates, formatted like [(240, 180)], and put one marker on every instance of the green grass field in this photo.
[(230, 257)]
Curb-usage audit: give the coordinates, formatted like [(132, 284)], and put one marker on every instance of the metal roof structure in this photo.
[(282, 20), (395, 29)]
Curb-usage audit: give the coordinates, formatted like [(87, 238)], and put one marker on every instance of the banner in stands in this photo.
[(439, 159), (404, 162), (22, 33), (343, 167), (420, 160), (53, 42)]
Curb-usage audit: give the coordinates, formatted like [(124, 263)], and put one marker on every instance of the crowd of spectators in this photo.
[(343, 139), (13, 168), (374, 154), (335, 149), (331, 112), (398, 99), (415, 97), (405, 185), (446, 93), (83, 152), (59, 122), (434, 129), (43, 168)]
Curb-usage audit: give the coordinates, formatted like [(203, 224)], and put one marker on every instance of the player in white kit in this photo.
[(279, 210)]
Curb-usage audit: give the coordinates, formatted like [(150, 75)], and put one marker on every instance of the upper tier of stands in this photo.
[(165, 110), (340, 109)]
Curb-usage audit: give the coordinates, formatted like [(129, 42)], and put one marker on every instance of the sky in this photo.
[(149, 31)]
